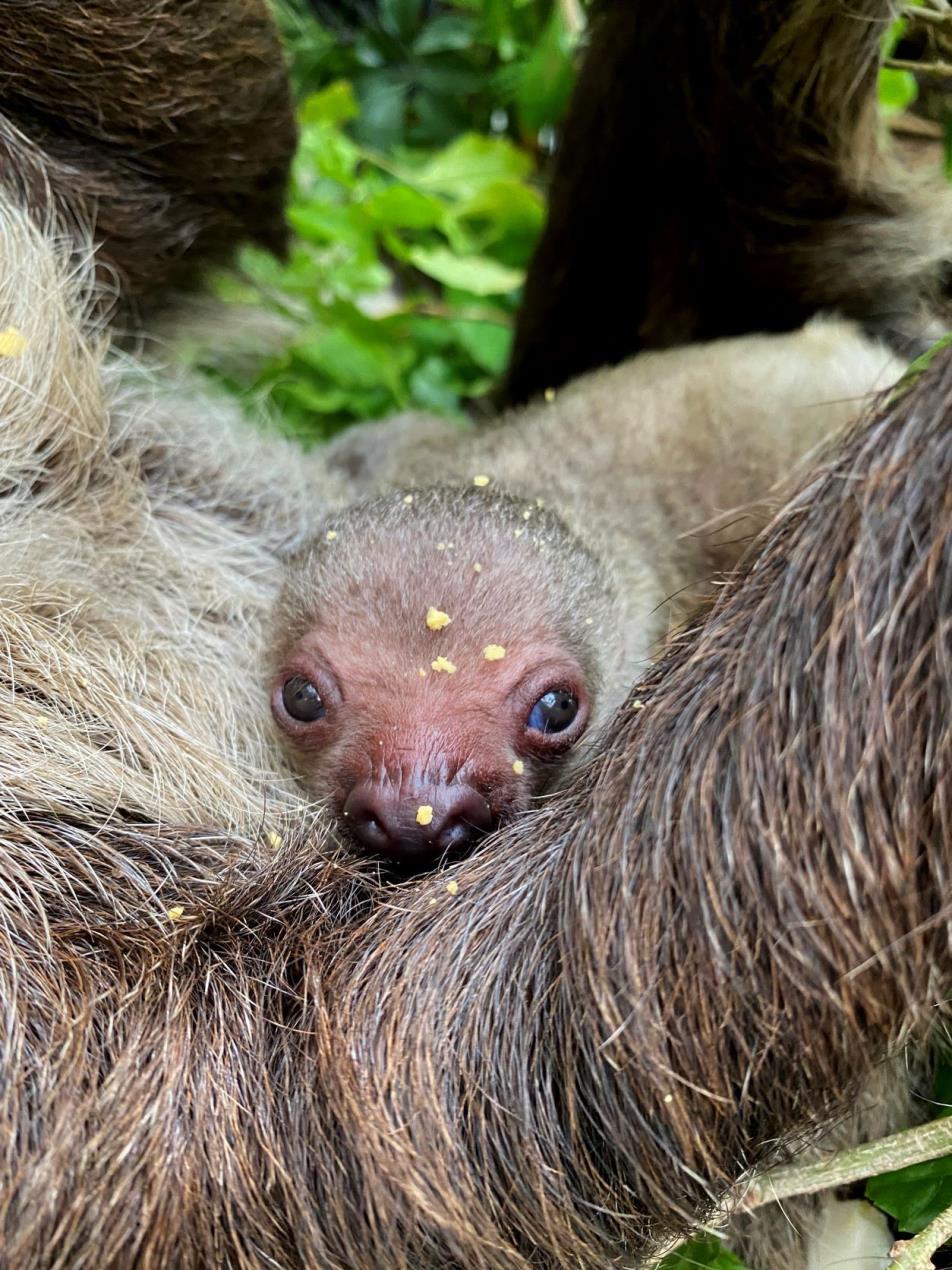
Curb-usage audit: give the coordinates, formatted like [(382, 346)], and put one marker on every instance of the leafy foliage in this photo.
[(424, 72), (408, 255)]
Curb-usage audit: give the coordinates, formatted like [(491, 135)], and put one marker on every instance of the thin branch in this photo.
[(916, 1254), (929, 17), (942, 70), (911, 1146)]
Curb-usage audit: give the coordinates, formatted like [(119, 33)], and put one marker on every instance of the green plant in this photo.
[(403, 277), (415, 204), (424, 72)]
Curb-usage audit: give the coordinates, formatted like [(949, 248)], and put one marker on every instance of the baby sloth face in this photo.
[(431, 678)]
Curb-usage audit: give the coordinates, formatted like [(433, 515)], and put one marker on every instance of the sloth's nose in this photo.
[(419, 824)]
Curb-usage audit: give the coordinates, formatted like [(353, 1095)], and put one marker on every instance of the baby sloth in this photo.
[(440, 653)]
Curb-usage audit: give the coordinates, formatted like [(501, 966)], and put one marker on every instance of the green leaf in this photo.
[(448, 78), (701, 1254), (446, 32), (439, 118), (545, 83), (918, 1193), (487, 343), (914, 1195), (431, 334), (433, 386), (402, 207), (335, 104), (399, 18), (471, 163), (915, 369), (476, 274), (509, 204), (347, 360), (506, 216), (315, 397), (323, 148), (894, 33), (323, 222), (383, 108), (897, 90)]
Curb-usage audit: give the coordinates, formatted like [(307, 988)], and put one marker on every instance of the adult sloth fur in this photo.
[(481, 1079)]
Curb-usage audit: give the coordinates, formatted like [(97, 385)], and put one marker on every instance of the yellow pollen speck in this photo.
[(517, 533), (589, 621), (424, 814), (41, 721), (331, 535), (422, 673), (549, 394), (274, 840), (637, 705), (526, 515), (441, 546), (436, 619), (494, 652), (668, 1098), (518, 767), (453, 888), (176, 914), (443, 664), (477, 568), (481, 481), (12, 342), (408, 499)]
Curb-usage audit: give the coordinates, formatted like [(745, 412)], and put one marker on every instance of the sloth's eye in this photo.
[(553, 712), (302, 700)]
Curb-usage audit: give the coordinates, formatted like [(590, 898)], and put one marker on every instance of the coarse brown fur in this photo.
[(166, 126), (722, 169), (142, 533)]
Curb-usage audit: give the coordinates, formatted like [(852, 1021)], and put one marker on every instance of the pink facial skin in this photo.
[(420, 766)]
